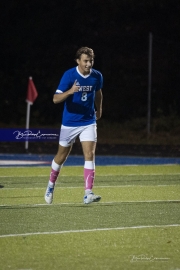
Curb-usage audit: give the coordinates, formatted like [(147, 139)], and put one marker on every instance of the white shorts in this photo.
[(68, 135)]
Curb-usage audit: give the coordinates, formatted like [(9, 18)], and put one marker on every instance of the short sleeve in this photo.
[(65, 83), (100, 82)]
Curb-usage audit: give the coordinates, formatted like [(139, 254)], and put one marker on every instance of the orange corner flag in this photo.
[(32, 92)]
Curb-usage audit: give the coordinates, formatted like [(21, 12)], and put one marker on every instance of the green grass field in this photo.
[(136, 225)]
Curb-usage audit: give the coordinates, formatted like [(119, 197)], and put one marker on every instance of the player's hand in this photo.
[(74, 88), (98, 114)]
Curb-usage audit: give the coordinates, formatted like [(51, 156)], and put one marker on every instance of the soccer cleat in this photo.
[(49, 194), (91, 197)]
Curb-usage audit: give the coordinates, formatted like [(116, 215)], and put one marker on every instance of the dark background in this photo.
[(39, 38)]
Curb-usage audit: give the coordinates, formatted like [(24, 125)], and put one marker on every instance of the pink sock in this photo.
[(53, 176), (89, 178)]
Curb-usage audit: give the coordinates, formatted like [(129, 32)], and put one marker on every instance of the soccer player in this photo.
[(80, 88)]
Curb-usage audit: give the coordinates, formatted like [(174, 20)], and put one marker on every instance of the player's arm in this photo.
[(98, 102), (60, 97)]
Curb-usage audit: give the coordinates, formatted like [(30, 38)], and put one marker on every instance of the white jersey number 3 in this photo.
[(84, 96)]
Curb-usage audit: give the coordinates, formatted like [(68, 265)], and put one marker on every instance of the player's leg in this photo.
[(88, 139), (66, 140), (58, 162), (56, 165), (89, 163)]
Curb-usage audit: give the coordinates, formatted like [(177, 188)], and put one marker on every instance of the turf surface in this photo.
[(136, 225)]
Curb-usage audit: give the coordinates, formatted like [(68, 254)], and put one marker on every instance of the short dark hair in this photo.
[(84, 50)]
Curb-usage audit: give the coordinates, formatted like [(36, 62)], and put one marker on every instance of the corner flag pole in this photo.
[(27, 122), (31, 96)]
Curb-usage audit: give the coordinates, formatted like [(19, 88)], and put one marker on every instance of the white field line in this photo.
[(91, 230), (112, 165), (118, 186), (101, 175), (25, 176), (79, 203)]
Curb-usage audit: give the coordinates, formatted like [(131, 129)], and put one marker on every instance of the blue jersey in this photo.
[(79, 108)]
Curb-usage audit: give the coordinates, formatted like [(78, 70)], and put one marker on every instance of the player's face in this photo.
[(85, 63)]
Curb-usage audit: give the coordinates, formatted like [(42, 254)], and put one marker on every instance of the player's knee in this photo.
[(89, 155)]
